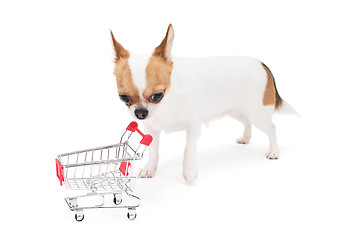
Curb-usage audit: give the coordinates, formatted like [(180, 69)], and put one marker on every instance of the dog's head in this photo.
[(143, 80)]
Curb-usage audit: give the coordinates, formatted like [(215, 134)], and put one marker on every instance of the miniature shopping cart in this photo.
[(104, 172)]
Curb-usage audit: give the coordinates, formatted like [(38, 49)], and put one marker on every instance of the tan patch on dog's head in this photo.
[(122, 72), (271, 95), (158, 76), (159, 68), (125, 84)]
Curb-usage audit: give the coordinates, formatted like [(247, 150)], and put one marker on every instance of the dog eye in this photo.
[(156, 97), (125, 98)]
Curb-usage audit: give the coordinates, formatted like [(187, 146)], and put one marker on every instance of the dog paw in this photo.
[(190, 175), (272, 155), (243, 140), (148, 171)]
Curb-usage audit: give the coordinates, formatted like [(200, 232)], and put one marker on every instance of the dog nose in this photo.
[(141, 113)]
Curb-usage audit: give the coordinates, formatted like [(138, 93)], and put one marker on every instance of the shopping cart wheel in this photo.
[(117, 199), (79, 216), (131, 214)]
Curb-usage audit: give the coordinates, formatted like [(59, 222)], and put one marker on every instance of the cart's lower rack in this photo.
[(72, 202)]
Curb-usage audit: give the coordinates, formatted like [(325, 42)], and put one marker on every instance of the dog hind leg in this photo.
[(263, 121)]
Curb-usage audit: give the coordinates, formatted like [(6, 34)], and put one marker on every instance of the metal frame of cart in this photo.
[(103, 171)]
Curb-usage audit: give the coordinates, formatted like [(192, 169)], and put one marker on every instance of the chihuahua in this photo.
[(175, 94)]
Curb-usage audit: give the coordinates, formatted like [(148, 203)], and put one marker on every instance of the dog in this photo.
[(177, 94)]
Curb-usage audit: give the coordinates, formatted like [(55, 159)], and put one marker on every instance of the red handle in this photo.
[(147, 138)]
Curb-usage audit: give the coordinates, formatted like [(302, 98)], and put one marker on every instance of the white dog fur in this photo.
[(201, 90)]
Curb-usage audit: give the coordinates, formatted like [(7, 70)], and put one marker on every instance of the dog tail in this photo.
[(281, 106), (286, 108)]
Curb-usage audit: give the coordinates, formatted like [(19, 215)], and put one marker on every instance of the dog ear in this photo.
[(164, 49), (120, 51)]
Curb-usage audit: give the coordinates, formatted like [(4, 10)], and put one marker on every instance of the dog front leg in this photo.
[(190, 168), (151, 166)]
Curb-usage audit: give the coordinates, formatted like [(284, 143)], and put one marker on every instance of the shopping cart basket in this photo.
[(102, 171)]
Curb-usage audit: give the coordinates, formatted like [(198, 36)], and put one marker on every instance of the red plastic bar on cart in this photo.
[(124, 168), (147, 138), (59, 171)]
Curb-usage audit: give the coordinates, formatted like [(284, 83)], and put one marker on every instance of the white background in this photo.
[(58, 94)]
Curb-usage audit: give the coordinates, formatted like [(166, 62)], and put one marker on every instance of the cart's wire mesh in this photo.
[(97, 169)]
